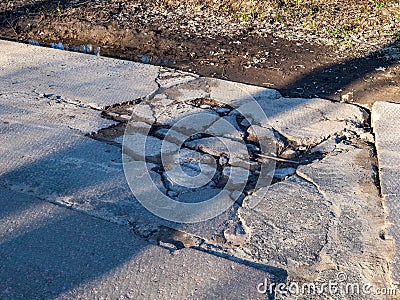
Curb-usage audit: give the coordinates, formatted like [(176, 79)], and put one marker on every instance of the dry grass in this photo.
[(338, 19)]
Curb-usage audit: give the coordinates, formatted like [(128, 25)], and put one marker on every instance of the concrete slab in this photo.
[(49, 252), (24, 106), (91, 80), (386, 125)]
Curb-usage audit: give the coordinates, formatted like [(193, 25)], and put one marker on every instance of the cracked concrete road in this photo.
[(70, 121)]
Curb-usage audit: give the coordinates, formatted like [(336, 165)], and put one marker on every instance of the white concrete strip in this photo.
[(386, 124)]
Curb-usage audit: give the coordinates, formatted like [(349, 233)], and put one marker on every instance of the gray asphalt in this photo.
[(50, 252)]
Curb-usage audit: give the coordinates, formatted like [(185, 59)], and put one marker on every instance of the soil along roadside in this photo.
[(344, 52)]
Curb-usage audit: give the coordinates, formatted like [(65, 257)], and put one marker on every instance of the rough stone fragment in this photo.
[(245, 164), (189, 170), (137, 127), (172, 136), (196, 122), (237, 233), (289, 154), (325, 147), (266, 138)]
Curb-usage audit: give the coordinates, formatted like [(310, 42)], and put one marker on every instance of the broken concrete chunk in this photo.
[(256, 133), (326, 216), (186, 115), (137, 127), (237, 178), (307, 122), (97, 82), (237, 233), (160, 102), (196, 122), (181, 178), (245, 164), (289, 223), (199, 195), (326, 146), (169, 78), (190, 169), (189, 156), (266, 138), (219, 146), (143, 112), (193, 89), (142, 147), (236, 94), (172, 136), (357, 207), (226, 127)]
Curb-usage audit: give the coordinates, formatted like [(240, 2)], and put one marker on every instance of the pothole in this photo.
[(288, 157)]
